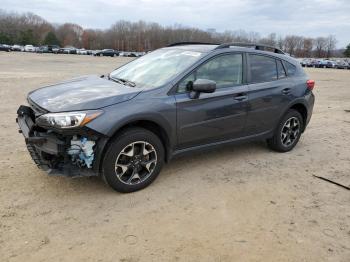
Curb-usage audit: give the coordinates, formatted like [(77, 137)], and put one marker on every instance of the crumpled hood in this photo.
[(83, 93)]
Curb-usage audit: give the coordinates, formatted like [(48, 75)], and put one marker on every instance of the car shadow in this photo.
[(191, 161)]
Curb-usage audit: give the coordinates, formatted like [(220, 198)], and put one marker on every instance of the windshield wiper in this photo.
[(122, 81)]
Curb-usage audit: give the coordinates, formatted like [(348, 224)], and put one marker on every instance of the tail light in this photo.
[(310, 84)]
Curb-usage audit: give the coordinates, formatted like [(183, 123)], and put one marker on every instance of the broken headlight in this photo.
[(68, 119)]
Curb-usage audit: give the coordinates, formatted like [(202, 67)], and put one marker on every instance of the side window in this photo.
[(263, 68), (290, 68), (225, 70), (280, 70)]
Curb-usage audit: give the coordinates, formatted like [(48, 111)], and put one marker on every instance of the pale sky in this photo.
[(308, 18)]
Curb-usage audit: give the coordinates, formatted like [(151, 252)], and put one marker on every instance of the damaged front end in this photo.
[(70, 152)]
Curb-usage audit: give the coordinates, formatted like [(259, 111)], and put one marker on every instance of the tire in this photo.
[(133, 160), (279, 141)]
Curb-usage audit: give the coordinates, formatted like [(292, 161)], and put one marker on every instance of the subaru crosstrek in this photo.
[(125, 125)]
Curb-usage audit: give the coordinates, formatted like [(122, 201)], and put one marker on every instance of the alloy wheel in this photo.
[(136, 162), (290, 131)]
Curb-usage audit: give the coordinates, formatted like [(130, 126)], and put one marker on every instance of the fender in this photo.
[(153, 117), (302, 101)]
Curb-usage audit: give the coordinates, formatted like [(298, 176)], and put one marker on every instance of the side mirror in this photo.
[(202, 86)]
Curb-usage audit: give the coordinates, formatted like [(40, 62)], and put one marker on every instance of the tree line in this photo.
[(28, 28)]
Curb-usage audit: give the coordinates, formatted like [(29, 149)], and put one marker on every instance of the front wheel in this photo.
[(287, 133), (133, 160)]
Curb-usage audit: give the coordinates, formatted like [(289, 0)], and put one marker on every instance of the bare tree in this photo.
[(25, 28), (29, 28), (292, 43), (281, 43), (330, 45), (320, 46), (270, 40), (70, 34), (308, 45)]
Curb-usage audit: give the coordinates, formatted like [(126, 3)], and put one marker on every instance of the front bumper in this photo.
[(47, 148)]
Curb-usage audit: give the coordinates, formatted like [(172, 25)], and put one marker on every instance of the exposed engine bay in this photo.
[(81, 151), (68, 153)]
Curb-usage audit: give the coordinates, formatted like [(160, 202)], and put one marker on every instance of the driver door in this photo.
[(213, 117)]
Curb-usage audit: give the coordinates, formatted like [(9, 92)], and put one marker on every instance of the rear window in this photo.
[(291, 69), (263, 68)]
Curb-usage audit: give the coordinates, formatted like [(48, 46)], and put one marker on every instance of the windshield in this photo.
[(156, 68)]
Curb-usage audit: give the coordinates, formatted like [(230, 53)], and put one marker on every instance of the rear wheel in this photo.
[(133, 160), (288, 132)]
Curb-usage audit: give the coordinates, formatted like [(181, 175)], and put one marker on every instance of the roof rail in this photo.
[(255, 46), (190, 43)]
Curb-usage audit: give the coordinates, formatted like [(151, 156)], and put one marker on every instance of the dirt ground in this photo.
[(241, 203)]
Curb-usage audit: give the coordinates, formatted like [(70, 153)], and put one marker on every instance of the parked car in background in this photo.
[(327, 64), (308, 62), (341, 65), (322, 64), (107, 52), (72, 50), (5, 48), (43, 49), (304, 62), (53, 49), (68, 50), (29, 48), (18, 48), (314, 63), (126, 124), (331, 64), (129, 54), (82, 51), (132, 54), (61, 50)]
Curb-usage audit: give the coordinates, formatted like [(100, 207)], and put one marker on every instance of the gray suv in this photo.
[(188, 96)]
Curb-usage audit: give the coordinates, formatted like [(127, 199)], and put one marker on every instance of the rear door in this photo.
[(216, 116), (269, 92)]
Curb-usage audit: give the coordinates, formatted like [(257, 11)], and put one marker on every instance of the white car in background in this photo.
[(82, 51), (17, 48), (29, 48)]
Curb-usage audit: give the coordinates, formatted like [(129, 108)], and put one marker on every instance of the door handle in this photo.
[(286, 91), (240, 97)]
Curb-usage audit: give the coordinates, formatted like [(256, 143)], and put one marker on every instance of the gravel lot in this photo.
[(242, 203)]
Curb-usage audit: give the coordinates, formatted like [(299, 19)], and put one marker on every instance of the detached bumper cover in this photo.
[(47, 150)]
